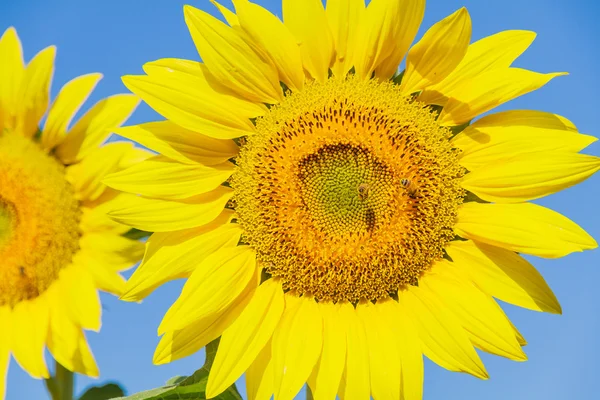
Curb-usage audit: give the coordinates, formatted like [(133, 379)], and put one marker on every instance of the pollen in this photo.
[(348, 190), (39, 219)]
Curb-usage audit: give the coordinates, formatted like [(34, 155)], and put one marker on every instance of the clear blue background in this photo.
[(116, 37)]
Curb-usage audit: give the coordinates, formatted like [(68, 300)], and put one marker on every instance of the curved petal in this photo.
[(296, 347), (444, 340), (34, 93), (409, 348), (79, 289), (86, 176), (29, 332), (356, 384), (190, 103), (486, 325), (246, 337), (69, 100), (259, 376), (384, 360), (95, 126), (387, 30), (329, 368), (180, 144), (230, 60), (11, 75), (153, 215), (489, 90), (526, 118), (530, 176), (409, 19), (66, 340), (524, 228), (308, 23), (503, 274), (160, 177), (186, 341), (229, 15), (273, 37), (344, 18), (173, 255), (493, 52), (436, 55), (483, 147), (216, 283)]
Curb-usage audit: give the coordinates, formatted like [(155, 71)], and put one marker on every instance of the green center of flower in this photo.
[(345, 189)]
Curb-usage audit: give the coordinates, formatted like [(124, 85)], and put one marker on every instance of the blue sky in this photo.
[(116, 37)]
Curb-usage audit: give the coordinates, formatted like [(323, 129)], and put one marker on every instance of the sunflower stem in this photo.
[(62, 384)]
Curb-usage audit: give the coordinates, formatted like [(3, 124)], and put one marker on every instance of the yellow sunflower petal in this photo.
[(95, 126), (11, 75), (78, 287), (246, 337), (29, 333), (384, 360), (229, 15), (67, 342), (486, 326), (154, 215), (483, 147), (160, 177), (503, 274), (190, 103), (69, 100), (270, 34), (356, 384), (217, 281), (329, 369), (259, 376), (493, 52), (407, 24), (175, 255), (86, 176), (525, 118), (524, 228), (489, 90), (5, 342), (409, 348), (344, 18), (230, 60), (436, 55), (175, 345), (530, 176), (179, 143), (35, 91), (307, 22), (105, 279), (296, 347), (444, 340), (115, 251)]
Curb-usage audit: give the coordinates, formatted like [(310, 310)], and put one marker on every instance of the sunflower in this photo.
[(336, 220), (57, 246)]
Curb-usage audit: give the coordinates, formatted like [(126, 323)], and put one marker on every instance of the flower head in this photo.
[(335, 220), (57, 246)]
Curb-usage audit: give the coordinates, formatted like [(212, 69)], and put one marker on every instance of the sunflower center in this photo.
[(39, 219), (348, 191)]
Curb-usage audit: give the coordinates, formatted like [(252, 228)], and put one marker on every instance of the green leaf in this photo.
[(136, 234), (189, 388), (175, 380), (104, 392)]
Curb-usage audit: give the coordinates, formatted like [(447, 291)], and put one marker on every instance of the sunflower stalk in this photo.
[(61, 384)]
